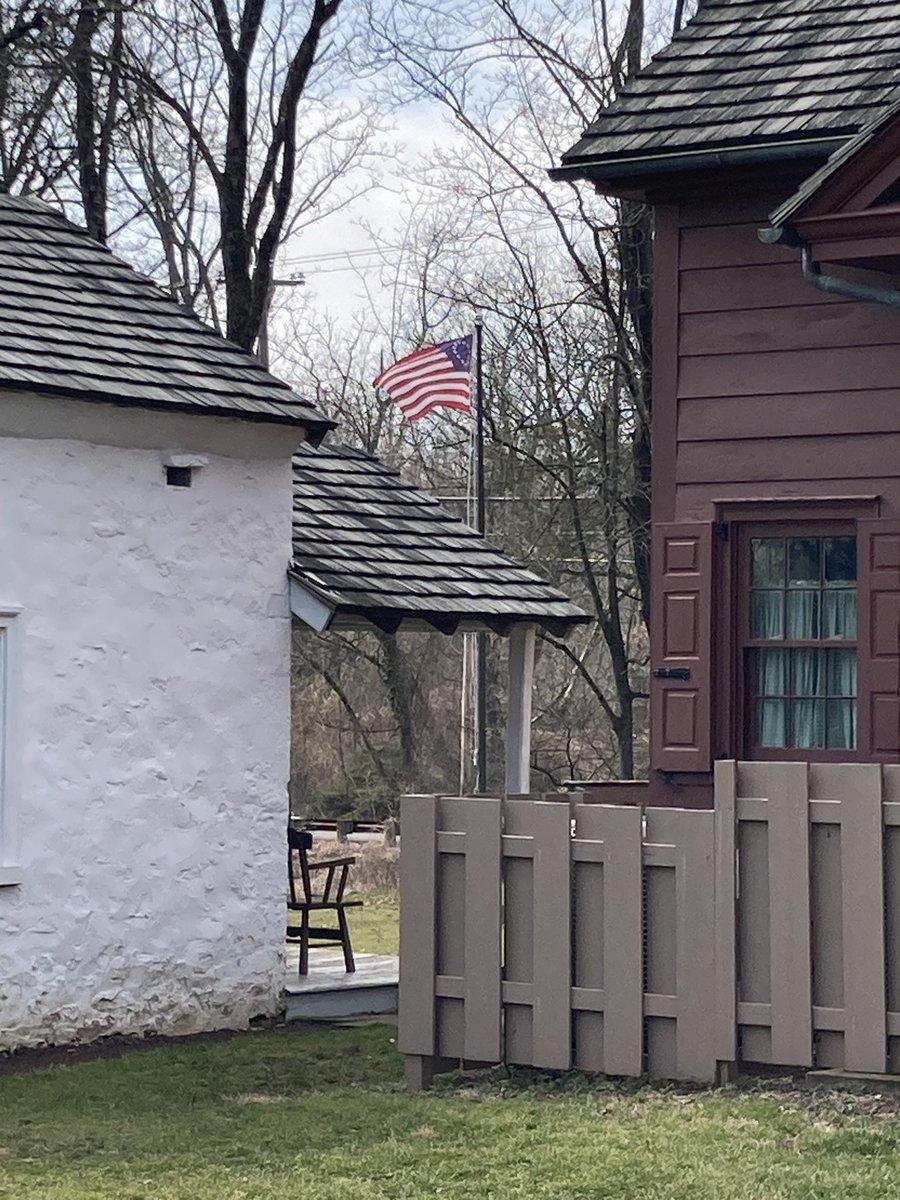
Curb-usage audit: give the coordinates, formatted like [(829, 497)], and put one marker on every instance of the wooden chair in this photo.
[(306, 900)]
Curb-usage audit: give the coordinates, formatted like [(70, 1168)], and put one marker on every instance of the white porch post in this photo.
[(518, 715)]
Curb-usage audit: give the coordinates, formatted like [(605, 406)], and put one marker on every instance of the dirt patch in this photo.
[(15, 1062)]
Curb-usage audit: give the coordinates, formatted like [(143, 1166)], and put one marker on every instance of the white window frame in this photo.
[(10, 743)]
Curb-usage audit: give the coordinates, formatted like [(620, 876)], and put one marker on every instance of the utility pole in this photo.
[(262, 342)]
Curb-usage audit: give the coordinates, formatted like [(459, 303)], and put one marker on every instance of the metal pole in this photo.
[(481, 786)]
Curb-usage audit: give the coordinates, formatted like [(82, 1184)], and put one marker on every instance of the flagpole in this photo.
[(481, 525)]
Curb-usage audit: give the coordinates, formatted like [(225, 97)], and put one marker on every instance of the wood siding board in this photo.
[(775, 460), (418, 897), (788, 372), (552, 1048), (483, 1041), (768, 287), (800, 327), (789, 914), (836, 414), (865, 1004), (725, 246)]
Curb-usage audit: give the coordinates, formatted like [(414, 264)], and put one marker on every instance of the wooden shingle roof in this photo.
[(76, 321), (370, 546), (796, 76)]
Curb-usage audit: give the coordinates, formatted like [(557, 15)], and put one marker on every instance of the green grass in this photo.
[(320, 1115), (375, 928)]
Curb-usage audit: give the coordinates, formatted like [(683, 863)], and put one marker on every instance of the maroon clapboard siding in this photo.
[(778, 388), (765, 390), (682, 588)]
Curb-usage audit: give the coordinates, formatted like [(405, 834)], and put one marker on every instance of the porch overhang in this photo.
[(373, 553)]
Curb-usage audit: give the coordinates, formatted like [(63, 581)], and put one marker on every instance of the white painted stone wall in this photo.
[(153, 718)]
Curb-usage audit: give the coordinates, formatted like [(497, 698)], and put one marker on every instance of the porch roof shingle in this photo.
[(370, 545), (76, 321)]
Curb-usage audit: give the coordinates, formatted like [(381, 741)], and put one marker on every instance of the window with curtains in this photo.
[(800, 655)]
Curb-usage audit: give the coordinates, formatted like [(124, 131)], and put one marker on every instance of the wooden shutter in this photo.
[(681, 648), (878, 556)]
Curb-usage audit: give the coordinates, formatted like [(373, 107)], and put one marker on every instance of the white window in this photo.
[(10, 871)]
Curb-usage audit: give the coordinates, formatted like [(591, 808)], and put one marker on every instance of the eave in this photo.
[(642, 176), (324, 611)]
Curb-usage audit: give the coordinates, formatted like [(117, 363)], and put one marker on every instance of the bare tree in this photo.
[(247, 137)]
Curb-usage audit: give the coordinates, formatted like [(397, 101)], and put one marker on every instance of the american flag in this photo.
[(433, 377)]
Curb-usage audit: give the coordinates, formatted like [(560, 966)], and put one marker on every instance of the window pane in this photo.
[(768, 615), (803, 615), (839, 613), (841, 672), (770, 723), (807, 672), (771, 672), (803, 562), (808, 723), (768, 562), (840, 560), (841, 724)]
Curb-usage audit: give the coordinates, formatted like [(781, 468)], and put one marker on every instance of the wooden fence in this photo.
[(626, 940)]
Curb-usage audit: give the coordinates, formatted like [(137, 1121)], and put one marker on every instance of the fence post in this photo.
[(725, 915), (418, 879)]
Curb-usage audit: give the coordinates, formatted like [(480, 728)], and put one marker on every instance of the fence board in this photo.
[(865, 1018), (778, 912), (483, 1040), (551, 1010), (789, 915), (725, 917), (623, 1022), (692, 836), (416, 1025), (696, 1047), (588, 926)]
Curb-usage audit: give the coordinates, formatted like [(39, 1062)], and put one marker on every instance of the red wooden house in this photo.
[(766, 140)]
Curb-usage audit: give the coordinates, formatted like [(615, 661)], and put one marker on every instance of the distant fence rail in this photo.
[(629, 940)]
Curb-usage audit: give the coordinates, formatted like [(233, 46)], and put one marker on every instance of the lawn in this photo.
[(375, 928), (320, 1113)]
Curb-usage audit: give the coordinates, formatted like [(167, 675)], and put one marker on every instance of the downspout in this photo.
[(812, 273)]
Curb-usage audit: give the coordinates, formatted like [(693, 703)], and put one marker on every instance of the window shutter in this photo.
[(681, 648), (878, 554)]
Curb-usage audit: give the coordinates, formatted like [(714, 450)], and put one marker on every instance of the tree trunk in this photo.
[(91, 179)]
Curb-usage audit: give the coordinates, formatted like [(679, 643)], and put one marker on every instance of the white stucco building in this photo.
[(146, 497), (144, 652)]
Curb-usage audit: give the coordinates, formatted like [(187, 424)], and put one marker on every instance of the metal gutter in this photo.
[(695, 160)]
